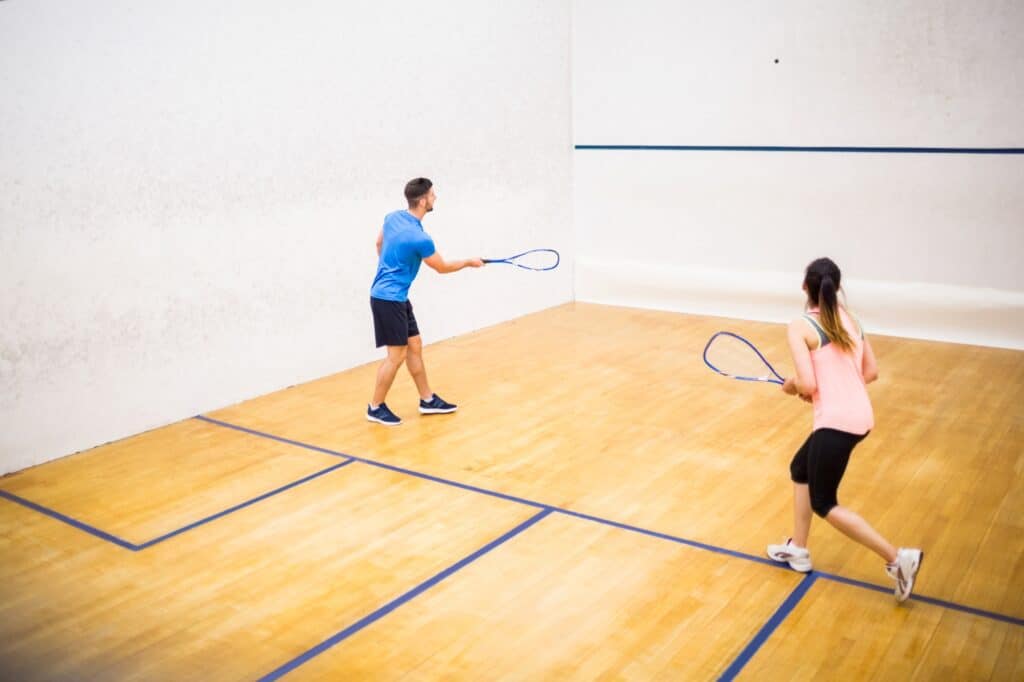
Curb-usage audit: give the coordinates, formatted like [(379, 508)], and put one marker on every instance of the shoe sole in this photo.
[(920, 563), (779, 558), (381, 421), (436, 410)]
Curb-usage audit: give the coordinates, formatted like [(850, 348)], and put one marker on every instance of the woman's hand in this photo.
[(789, 388)]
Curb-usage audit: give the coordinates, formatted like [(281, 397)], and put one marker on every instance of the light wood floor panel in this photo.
[(162, 480), (611, 411), (235, 599), (837, 634), (603, 410), (570, 600)]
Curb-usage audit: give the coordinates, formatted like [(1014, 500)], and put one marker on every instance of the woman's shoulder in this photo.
[(805, 325)]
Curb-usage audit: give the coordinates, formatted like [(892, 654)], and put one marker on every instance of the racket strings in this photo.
[(734, 357), (537, 259)]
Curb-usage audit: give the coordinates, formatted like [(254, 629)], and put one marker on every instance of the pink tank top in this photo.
[(841, 401)]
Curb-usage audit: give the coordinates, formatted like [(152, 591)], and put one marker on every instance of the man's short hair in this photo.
[(416, 189)]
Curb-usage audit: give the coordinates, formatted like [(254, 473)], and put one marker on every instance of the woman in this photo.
[(833, 362)]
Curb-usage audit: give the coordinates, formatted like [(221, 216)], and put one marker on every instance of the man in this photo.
[(402, 245)]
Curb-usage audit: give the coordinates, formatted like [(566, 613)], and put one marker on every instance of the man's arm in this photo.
[(380, 242), (438, 263)]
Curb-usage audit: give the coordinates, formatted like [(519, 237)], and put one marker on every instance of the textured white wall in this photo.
[(191, 192), (932, 240)]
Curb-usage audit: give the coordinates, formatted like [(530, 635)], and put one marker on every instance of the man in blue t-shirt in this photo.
[(402, 245)]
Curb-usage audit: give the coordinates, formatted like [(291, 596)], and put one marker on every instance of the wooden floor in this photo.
[(597, 509)]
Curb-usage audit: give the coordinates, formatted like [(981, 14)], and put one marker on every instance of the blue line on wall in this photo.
[(774, 148)]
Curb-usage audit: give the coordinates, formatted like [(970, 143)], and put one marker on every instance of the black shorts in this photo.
[(821, 463), (393, 322)]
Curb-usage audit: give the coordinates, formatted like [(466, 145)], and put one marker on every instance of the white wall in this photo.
[(191, 192), (930, 243)]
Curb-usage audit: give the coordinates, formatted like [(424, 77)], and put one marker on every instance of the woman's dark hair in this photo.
[(822, 282)]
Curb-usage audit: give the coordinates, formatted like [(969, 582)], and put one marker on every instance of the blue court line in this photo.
[(771, 148), (768, 628), (103, 535), (245, 504), (927, 600), (381, 465), (672, 538), (70, 521), (608, 522), (398, 601), (504, 496)]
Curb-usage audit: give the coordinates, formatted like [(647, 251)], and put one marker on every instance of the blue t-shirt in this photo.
[(404, 248)]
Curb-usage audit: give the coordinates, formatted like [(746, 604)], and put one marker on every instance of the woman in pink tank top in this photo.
[(834, 363)]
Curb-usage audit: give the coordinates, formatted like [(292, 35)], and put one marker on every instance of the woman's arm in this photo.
[(803, 384)]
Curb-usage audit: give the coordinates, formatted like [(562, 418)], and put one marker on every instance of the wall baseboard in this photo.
[(939, 312)]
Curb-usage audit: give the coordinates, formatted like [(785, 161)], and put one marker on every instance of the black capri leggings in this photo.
[(820, 463)]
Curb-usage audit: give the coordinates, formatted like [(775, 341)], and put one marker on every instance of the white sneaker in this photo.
[(798, 558), (904, 571)]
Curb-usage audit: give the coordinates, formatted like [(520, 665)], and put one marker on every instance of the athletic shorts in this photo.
[(393, 322), (820, 463)]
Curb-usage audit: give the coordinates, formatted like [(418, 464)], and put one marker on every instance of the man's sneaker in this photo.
[(798, 558), (904, 571), (436, 406), (382, 415)]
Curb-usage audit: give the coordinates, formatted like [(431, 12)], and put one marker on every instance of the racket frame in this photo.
[(511, 260), (774, 378)]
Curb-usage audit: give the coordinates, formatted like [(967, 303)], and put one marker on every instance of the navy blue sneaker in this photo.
[(382, 415), (436, 406)]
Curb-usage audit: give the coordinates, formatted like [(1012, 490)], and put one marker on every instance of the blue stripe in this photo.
[(673, 538), (927, 600), (395, 603), (277, 438), (103, 535), (840, 150), (380, 465), (243, 505), (70, 521), (768, 628), (503, 496), (608, 522)]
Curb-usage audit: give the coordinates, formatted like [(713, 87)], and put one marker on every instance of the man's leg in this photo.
[(414, 362), (386, 373)]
